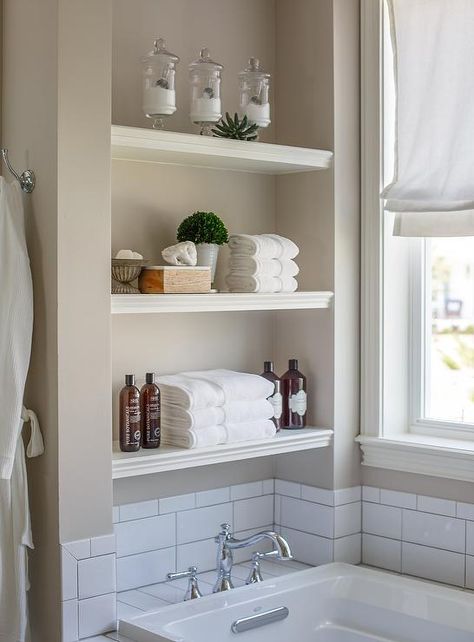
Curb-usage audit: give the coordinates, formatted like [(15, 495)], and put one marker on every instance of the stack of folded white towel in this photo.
[(262, 263), (210, 407)]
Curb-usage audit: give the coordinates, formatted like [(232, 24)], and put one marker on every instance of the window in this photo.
[(449, 343), (417, 344)]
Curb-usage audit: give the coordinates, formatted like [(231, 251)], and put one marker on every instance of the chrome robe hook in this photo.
[(27, 179)]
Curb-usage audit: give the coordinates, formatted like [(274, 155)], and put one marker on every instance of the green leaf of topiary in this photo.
[(203, 227)]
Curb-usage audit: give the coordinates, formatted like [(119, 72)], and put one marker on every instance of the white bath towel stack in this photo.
[(262, 263), (211, 407)]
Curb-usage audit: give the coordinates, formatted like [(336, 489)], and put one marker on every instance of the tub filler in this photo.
[(331, 603)]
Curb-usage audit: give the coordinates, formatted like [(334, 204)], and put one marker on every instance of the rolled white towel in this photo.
[(242, 283), (190, 393), (235, 386), (254, 266), (210, 436), (264, 246), (233, 412), (250, 431)]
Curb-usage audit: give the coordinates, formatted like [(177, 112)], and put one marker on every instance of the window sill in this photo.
[(422, 454)]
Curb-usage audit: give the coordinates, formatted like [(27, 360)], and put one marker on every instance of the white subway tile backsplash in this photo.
[(396, 498), (202, 523), (277, 509), (436, 505), (138, 510), (433, 564), (212, 497), (245, 554), (97, 615), (317, 495), (470, 538), (370, 494), (348, 549), (147, 534), (310, 549), (290, 489), (469, 572), (68, 575), (178, 503), (243, 491), (308, 517), (385, 521), (382, 552), (103, 545), (96, 576), (80, 549), (434, 530), (201, 554), (465, 511), (70, 622), (268, 486), (147, 568), (347, 519), (249, 513), (115, 514), (347, 495)]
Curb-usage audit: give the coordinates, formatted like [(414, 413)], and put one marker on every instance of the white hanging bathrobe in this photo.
[(16, 327)]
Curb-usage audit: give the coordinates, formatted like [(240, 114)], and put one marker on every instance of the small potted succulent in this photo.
[(207, 231)]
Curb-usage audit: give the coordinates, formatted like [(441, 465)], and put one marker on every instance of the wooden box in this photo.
[(175, 279)]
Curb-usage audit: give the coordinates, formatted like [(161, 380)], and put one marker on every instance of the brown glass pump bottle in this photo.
[(130, 432), (276, 398), (150, 412), (294, 397)]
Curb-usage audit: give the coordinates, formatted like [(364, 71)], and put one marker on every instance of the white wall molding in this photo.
[(420, 454)]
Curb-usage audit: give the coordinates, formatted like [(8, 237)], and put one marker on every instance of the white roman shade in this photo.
[(432, 191)]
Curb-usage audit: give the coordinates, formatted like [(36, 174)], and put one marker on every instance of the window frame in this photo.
[(439, 448)]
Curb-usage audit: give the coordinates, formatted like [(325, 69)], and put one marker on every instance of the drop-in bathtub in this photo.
[(332, 603)]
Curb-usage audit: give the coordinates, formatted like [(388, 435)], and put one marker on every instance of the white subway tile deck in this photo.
[(317, 495), (103, 545), (347, 495), (68, 575), (347, 519), (469, 572), (348, 549), (70, 622), (310, 549)]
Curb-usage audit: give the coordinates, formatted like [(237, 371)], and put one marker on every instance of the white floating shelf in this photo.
[(171, 148), (146, 462), (220, 302)]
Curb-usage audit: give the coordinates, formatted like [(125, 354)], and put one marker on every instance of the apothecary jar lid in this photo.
[(254, 69), (205, 62), (160, 53)]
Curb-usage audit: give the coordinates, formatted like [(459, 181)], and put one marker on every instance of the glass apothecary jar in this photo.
[(254, 85), (205, 77), (159, 94)]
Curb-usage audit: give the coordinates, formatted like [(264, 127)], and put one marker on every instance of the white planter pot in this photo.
[(207, 255)]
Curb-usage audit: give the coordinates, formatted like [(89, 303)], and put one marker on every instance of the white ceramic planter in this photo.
[(207, 255)]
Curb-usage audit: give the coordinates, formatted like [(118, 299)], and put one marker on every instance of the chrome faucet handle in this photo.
[(255, 574), (224, 533), (193, 591)]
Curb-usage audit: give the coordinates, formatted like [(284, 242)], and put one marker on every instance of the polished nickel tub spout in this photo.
[(226, 543)]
